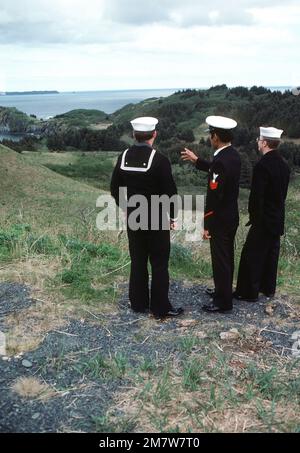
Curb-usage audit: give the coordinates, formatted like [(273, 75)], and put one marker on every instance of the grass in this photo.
[(97, 367), (92, 168), (215, 392), (191, 375), (108, 424), (87, 269), (188, 343)]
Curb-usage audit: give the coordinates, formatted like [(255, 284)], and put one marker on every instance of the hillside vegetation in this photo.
[(181, 123)]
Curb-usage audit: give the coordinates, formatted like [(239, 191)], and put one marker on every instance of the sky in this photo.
[(74, 45)]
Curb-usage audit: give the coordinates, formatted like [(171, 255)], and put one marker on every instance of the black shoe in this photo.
[(172, 313), (210, 291), (269, 296), (246, 299), (212, 308)]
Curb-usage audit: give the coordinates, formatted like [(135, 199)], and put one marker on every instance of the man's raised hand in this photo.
[(188, 155)]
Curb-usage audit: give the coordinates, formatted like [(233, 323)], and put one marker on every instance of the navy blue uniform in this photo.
[(259, 259), (222, 219), (144, 171)]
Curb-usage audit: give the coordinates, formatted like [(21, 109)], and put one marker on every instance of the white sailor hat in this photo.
[(271, 133), (220, 122), (144, 124)]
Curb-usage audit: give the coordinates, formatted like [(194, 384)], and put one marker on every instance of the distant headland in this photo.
[(14, 93)]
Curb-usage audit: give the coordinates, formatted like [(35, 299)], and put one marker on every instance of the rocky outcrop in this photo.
[(14, 121)]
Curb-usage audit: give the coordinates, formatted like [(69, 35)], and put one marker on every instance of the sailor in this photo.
[(145, 172), (221, 217), (259, 259)]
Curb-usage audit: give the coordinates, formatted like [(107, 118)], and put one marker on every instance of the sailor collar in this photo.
[(137, 165)]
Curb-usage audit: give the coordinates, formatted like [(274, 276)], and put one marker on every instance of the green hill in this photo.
[(83, 117), (250, 107), (32, 193)]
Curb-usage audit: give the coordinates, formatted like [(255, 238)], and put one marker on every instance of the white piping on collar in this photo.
[(138, 169)]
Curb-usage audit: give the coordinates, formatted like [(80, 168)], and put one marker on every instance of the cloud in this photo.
[(187, 13), (53, 22), (139, 12), (102, 21), (116, 44)]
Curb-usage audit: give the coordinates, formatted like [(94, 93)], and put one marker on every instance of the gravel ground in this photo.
[(122, 337), (13, 297)]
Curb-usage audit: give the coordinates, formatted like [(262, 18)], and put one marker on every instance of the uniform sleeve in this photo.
[(116, 181), (257, 194), (215, 192), (203, 165), (167, 185)]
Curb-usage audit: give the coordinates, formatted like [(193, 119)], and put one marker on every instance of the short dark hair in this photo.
[(273, 144), (143, 136), (224, 135)]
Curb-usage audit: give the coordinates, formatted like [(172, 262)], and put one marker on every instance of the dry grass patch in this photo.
[(253, 417), (34, 272), (32, 388), (27, 328)]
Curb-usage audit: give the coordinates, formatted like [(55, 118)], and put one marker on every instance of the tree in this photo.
[(55, 142), (186, 135), (293, 130)]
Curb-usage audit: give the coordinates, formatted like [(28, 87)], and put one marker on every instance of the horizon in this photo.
[(145, 89)]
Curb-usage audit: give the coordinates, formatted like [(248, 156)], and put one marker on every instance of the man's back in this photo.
[(231, 161), (268, 193), (223, 199), (144, 171)]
